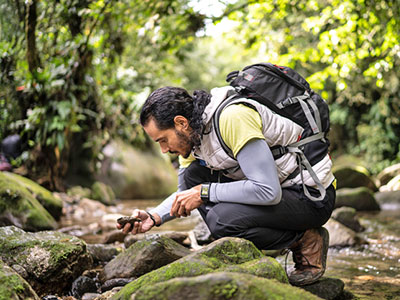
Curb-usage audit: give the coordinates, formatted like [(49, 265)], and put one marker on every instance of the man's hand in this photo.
[(139, 227), (186, 201)]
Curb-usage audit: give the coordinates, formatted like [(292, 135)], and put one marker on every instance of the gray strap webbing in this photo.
[(309, 116), (316, 113), (318, 136), (304, 161)]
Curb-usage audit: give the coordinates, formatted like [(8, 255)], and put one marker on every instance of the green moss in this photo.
[(225, 291), (17, 201), (51, 203)]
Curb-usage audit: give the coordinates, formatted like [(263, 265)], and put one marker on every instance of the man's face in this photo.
[(174, 140)]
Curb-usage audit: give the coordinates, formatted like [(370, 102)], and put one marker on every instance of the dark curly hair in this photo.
[(167, 102)]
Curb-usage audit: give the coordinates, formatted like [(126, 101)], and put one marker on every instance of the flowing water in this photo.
[(370, 271)]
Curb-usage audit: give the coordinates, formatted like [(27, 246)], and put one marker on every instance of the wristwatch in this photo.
[(205, 192)]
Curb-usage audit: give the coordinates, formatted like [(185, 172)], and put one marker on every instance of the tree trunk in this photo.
[(30, 31)]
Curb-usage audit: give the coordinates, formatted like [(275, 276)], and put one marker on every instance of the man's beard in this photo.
[(185, 142)]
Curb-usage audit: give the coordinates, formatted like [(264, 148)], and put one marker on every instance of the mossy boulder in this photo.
[(347, 216), (103, 193), (222, 285), (51, 260), (349, 176), (19, 207), (51, 203), (143, 257), (226, 254), (80, 192), (327, 288), (13, 286), (360, 199), (134, 174)]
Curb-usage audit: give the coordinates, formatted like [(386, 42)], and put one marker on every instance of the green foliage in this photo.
[(349, 51)]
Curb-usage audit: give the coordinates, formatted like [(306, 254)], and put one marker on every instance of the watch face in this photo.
[(204, 190)]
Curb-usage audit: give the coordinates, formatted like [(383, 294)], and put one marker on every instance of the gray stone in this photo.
[(90, 296), (103, 253), (51, 259), (82, 285), (13, 286), (360, 198), (112, 283), (178, 237), (143, 257), (222, 285), (326, 288), (202, 233), (347, 216), (342, 236)]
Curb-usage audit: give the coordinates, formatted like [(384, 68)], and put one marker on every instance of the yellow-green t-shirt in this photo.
[(238, 125)]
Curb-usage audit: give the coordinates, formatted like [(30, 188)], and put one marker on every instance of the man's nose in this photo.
[(164, 149)]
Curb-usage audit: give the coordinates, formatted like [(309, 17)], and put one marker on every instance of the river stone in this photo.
[(46, 198), (326, 288), (232, 254), (51, 259), (20, 208), (178, 237), (103, 193), (342, 236), (112, 283), (359, 198), (388, 197), (347, 216), (353, 177), (222, 285), (114, 236), (388, 173), (82, 285), (13, 286), (143, 257), (135, 174), (103, 253)]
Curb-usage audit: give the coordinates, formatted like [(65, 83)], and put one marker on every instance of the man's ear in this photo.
[(181, 122)]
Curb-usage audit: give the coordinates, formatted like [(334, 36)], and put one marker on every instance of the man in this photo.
[(250, 195)]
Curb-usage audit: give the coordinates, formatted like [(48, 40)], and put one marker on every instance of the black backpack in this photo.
[(288, 94)]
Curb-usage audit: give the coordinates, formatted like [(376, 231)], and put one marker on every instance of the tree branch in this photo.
[(30, 31)]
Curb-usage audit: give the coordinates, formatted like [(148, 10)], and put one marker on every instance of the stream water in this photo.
[(370, 271)]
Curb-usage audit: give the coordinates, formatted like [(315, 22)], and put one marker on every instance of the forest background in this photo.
[(74, 73)]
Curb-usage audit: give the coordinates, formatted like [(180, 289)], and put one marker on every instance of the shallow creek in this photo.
[(369, 271)]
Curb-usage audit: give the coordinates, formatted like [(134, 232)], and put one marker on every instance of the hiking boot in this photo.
[(309, 256)]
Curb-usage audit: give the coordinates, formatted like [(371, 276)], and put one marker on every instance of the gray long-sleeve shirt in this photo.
[(261, 186)]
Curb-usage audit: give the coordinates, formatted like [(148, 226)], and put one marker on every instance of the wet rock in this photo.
[(103, 193), (134, 174), (342, 236), (109, 294), (232, 254), (79, 191), (392, 185), (89, 208), (178, 237), (46, 198), (83, 285), (202, 233), (347, 216), (51, 297), (20, 270), (144, 256), (353, 177), (359, 198), (114, 236), (103, 253), (326, 288), (388, 173), (112, 283), (51, 259), (13, 286), (19, 207), (221, 285)]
